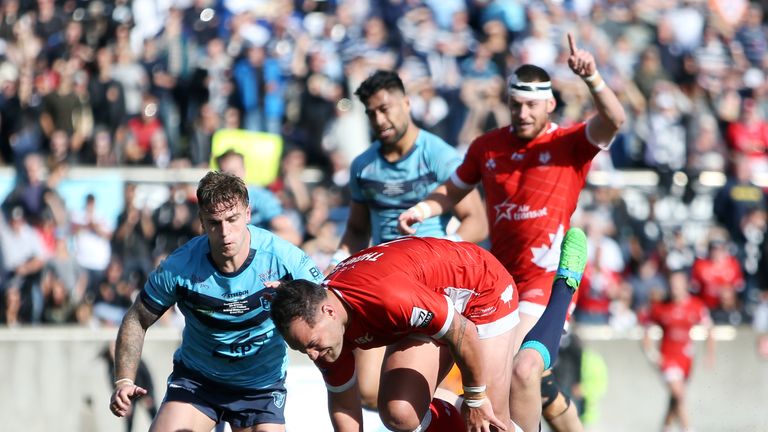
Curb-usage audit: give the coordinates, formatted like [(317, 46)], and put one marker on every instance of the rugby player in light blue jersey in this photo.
[(231, 363), (400, 168)]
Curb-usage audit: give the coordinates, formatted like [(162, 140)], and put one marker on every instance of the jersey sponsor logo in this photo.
[(366, 338), (393, 188), (517, 157), (279, 398), (238, 307), (235, 294), (514, 212), (420, 317), (545, 157), (315, 272)]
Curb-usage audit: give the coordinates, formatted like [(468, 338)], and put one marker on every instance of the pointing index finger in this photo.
[(571, 44)]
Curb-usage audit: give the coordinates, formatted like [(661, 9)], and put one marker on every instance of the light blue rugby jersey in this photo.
[(229, 336), (264, 206), (389, 188)]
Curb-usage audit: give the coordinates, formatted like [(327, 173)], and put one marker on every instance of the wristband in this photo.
[(592, 77), (128, 380), (474, 389), (339, 256), (598, 88), (423, 209), (475, 403)]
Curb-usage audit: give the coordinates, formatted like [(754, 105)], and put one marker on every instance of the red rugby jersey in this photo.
[(531, 191), (415, 285)]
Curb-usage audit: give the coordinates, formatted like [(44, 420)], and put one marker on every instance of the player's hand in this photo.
[(481, 419), (581, 62), (407, 219), (272, 284), (122, 398)]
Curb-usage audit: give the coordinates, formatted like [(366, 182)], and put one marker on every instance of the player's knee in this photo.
[(399, 415), (553, 401), (527, 369)]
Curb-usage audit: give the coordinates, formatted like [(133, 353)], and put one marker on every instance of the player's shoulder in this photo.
[(186, 256), (265, 242), (367, 157), (430, 141), (555, 130)]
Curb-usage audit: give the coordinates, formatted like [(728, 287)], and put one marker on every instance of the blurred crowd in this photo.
[(117, 83)]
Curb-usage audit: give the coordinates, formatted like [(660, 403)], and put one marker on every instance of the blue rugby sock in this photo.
[(544, 337)]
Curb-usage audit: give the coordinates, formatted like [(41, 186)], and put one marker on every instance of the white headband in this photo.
[(530, 90)]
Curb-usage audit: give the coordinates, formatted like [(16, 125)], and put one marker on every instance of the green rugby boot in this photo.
[(573, 258)]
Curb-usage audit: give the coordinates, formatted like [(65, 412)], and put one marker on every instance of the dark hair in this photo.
[(380, 80), (531, 73), (219, 190), (227, 154), (298, 298)]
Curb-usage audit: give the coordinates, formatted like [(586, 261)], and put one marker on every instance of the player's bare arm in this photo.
[(130, 341), (471, 213), (464, 343), (602, 127), (346, 410), (444, 198)]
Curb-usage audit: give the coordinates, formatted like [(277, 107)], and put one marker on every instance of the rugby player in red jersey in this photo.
[(532, 172)]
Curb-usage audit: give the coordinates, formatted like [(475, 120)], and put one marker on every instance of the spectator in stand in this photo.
[(751, 35), (676, 316), (737, 197), (132, 239), (175, 221), (63, 284), (23, 262), (717, 279), (30, 189), (92, 234), (259, 90), (748, 135), (141, 131)]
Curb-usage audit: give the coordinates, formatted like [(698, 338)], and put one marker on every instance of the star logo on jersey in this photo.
[(545, 157), (517, 157), (504, 210), (420, 317), (490, 164), (547, 256), (508, 294)]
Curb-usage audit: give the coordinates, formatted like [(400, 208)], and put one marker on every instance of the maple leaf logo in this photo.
[(508, 294), (548, 255)]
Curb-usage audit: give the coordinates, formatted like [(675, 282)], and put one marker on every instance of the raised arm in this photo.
[(602, 127), (444, 198), (464, 343), (130, 341)]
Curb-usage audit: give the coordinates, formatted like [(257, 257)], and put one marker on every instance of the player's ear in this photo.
[(551, 105), (328, 309)]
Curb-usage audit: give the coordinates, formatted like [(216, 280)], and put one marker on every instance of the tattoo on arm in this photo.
[(130, 339)]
